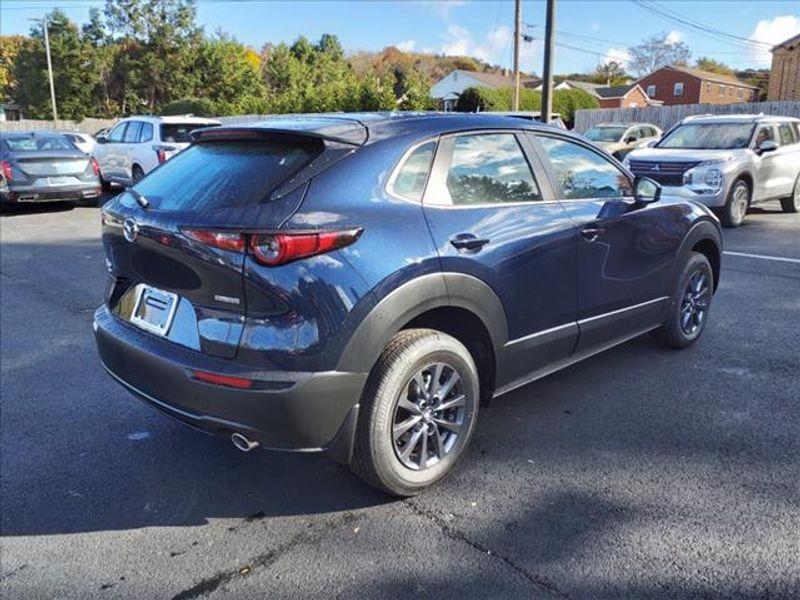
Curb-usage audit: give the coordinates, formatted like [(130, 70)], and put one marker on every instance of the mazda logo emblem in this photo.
[(131, 230)]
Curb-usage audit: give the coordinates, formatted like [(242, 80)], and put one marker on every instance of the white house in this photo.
[(448, 89)]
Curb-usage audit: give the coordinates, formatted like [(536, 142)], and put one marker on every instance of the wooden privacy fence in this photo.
[(85, 126), (666, 116)]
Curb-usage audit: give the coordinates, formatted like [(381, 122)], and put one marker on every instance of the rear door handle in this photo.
[(590, 233), (468, 242)]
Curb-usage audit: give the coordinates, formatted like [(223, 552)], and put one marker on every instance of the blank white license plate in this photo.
[(154, 309), (56, 181)]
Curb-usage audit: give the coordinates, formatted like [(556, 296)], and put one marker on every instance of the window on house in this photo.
[(651, 90), (740, 93), (678, 89), (722, 90)]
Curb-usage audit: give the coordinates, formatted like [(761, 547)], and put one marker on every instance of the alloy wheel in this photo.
[(740, 202), (429, 416), (696, 300), (796, 197)]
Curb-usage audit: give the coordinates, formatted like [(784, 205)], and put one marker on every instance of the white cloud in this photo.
[(673, 37), (618, 55), (442, 8), (771, 33), (494, 49), (406, 46)]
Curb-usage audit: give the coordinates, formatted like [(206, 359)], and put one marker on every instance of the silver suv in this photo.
[(728, 162)]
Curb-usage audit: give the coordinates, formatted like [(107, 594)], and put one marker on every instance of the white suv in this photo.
[(137, 145)]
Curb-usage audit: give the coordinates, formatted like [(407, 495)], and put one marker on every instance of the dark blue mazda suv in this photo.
[(362, 284)]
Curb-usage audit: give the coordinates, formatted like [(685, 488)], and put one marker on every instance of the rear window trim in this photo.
[(389, 187)]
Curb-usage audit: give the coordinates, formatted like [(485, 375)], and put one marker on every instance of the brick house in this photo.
[(682, 85), (784, 78)]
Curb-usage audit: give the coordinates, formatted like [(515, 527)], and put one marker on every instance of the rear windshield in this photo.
[(224, 174), (33, 144), (179, 133)]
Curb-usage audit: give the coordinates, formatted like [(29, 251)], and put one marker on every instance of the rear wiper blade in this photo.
[(143, 202)]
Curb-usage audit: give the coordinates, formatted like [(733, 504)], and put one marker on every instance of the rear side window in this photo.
[(178, 133), (224, 174), (786, 133), (582, 173), (409, 182), (146, 134), (490, 169)]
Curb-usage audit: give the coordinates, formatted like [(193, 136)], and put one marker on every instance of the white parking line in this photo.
[(764, 257)]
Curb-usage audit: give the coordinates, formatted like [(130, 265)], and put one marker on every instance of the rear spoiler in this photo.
[(329, 129)]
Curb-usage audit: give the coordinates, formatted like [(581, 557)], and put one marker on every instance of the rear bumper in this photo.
[(287, 410), (30, 194)]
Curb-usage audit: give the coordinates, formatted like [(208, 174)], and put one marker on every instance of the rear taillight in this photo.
[(273, 249), (224, 240), (162, 156), (6, 166), (95, 166)]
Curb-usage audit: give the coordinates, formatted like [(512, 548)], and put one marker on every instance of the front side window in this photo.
[(117, 133), (132, 133), (679, 88), (409, 182), (490, 169), (582, 173), (651, 90), (708, 136), (765, 133)]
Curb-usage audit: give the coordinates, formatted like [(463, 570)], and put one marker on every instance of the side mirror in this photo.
[(767, 146), (646, 191), (102, 139)]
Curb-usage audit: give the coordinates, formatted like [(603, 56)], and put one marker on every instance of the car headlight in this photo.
[(714, 178), (707, 175)]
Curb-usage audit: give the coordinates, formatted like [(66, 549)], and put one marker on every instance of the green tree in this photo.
[(609, 73), (713, 66), (74, 70), (10, 46)]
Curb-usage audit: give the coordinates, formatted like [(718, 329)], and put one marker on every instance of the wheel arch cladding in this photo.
[(704, 237), (431, 300)]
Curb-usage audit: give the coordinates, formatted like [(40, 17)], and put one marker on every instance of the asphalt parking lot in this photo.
[(642, 472)]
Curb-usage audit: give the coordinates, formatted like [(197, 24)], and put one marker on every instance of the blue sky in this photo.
[(595, 29)]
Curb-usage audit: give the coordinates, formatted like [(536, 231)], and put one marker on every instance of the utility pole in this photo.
[(517, 36), (43, 21), (547, 84)]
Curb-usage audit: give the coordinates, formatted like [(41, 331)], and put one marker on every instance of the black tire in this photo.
[(137, 174), (377, 454), (673, 332), (104, 185), (732, 214), (792, 203)]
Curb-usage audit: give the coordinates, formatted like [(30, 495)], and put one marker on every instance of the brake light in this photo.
[(6, 166), (95, 166), (225, 380), (162, 156), (274, 249), (224, 240)]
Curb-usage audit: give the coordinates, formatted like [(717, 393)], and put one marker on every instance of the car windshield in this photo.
[(605, 134), (35, 144), (179, 133), (708, 136)]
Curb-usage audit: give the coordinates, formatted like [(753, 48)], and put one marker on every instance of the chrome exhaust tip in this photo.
[(242, 443)]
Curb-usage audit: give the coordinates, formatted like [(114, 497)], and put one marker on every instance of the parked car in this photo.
[(137, 145), (44, 167), (83, 141), (358, 284), (618, 139), (727, 162), (555, 118)]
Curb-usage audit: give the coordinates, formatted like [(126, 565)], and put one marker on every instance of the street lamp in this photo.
[(43, 21)]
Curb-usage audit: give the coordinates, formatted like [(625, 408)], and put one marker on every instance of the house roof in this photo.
[(788, 42), (615, 91), (583, 85), (497, 80), (706, 76)]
